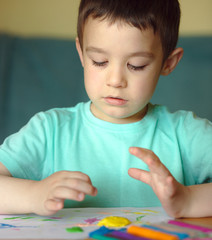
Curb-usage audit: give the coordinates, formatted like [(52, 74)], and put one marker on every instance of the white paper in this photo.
[(32, 226)]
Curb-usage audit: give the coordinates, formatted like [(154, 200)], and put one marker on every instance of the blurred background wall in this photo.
[(58, 18)]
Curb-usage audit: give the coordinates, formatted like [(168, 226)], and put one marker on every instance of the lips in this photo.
[(116, 101)]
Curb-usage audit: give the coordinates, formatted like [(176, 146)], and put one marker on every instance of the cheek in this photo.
[(92, 82), (144, 87), (90, 73)]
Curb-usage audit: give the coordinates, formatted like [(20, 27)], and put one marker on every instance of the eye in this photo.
[(136, 68), (99, 64)]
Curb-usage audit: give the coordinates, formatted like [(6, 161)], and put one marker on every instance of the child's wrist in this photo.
[(186, 202), (35, 200)]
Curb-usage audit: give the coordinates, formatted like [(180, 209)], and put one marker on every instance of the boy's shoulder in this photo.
[(62, 112), (67, 110), (56, 117), (179, 117), (162, 111)]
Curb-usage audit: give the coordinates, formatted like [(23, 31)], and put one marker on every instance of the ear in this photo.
[(172, 61), (79, 50)]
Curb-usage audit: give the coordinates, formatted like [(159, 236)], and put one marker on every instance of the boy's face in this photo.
[(121, 69)]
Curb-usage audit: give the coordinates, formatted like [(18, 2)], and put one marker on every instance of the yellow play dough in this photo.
[(113, 221)]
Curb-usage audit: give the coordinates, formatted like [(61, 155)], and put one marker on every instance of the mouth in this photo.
[(116, 101)]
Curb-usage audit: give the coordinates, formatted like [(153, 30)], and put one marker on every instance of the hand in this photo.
[(51, 192), (172, 195)]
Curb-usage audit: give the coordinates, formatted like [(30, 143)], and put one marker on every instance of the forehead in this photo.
[(119, 36)]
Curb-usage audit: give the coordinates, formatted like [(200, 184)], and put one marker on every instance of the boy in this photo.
[(124, 46)]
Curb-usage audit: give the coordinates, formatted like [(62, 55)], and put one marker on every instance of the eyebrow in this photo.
[(94, 49), (141, 54), (133, 54)]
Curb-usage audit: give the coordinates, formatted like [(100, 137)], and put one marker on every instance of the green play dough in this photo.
[(74, 229)]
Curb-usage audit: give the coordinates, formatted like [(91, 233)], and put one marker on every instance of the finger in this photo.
[(74, 174), (145, 155), (61, 193), (140, 175), (151, 159), (52, 206), (81, 176), (79, 185)]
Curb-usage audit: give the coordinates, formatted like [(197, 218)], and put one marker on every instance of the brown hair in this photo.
[(163, 16)]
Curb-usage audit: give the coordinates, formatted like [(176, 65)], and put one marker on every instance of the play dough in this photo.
[(74, 229), (113, 221)]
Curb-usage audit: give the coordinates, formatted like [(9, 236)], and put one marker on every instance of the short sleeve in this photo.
[(24, 152), (196, 145)]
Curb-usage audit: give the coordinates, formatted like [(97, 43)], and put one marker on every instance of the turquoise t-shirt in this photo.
[(73, 139)]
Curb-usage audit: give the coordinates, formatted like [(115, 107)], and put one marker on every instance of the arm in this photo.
[(177, 199), (43, 197)]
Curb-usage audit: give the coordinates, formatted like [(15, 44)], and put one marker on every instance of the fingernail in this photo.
[(81, 196), (131, 149), (95, 191), (59, 205)]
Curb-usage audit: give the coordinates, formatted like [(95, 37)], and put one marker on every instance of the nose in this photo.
[(116, 78)]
